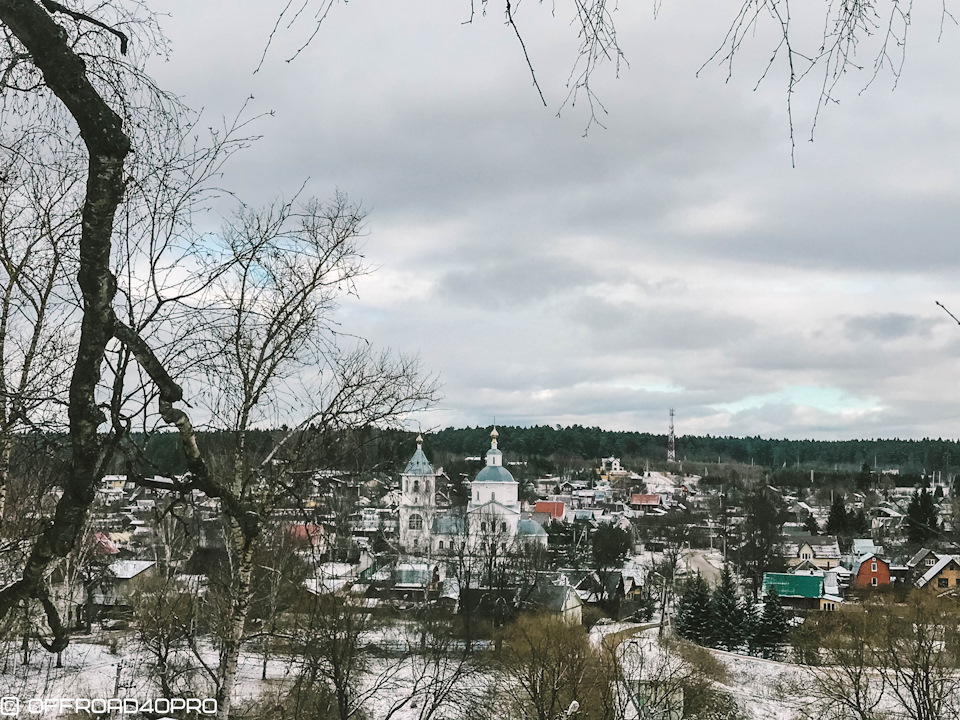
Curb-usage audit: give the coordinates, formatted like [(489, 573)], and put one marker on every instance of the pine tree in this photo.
[(922, 514), (692, 620), (838, 521), (751, 623), (771, 628), (727, 614)]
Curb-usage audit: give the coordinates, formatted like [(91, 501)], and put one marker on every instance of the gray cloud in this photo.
[(890, 326), (676, 258)]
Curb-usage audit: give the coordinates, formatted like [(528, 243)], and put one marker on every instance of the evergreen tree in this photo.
[(771, 628), (860, 523), (728, 626), (922, 524), (751, 623), (692, 619), (838, 521), (761, 549), (864, 478)]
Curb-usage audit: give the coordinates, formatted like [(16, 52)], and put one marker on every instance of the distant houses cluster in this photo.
[(408, 540)]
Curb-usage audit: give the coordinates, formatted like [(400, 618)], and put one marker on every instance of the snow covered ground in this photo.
[(766, 689)]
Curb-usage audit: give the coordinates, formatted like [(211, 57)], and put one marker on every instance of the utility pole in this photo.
[(116, 683)]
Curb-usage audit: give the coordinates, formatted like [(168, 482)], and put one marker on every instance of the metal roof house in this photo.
[(801, 590)]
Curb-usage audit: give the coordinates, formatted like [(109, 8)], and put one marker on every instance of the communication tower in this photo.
[(671, 441)]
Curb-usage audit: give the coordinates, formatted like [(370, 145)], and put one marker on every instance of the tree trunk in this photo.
[(241, 605), (107, 145)]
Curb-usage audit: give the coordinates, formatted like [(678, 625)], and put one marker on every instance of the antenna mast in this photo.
[(671, 441)]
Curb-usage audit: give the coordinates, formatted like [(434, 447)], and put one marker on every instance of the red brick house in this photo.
[(869, 572)]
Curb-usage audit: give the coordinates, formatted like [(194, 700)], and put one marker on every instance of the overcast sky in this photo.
[(675, 258)]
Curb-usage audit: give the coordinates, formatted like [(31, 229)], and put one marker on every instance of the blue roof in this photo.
[(419, 465), (494, 473)]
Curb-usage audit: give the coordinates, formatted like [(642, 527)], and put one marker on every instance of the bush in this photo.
[(702, 661), (592, 615)]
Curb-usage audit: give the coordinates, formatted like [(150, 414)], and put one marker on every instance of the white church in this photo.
[(493, 508)]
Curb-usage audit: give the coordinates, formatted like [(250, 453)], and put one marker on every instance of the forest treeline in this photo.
[(547, 447)]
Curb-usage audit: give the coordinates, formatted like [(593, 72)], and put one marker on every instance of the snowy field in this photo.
[(767, 690)]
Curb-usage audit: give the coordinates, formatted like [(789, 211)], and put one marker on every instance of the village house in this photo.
[(550, 511), (646, 503), (870, 571), (552, 594), (801, 590), (943, 576), (820, 551), (920, 563)]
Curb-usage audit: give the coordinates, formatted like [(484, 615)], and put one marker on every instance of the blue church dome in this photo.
[(494, 471)]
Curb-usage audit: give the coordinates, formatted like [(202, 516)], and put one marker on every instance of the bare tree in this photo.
[(279, 573), (547, 665), (336, 651), (447, 679), (888, 659), (66, 81), (165, 613), (39, 220), (918, 655), (847, 685), (269, 317)]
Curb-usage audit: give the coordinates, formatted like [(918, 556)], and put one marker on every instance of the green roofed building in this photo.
[(800, 590)]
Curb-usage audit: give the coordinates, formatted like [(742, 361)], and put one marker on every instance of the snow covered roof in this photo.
[(864, 546), (942, 563), (127, 569), (326, 584), (822, 546), (920, 555)]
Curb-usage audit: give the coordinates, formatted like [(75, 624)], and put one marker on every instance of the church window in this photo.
[(478, 496), (483, 527), (503, 527), (416, 522), (493, 496), (416, 486), (440, 545)]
